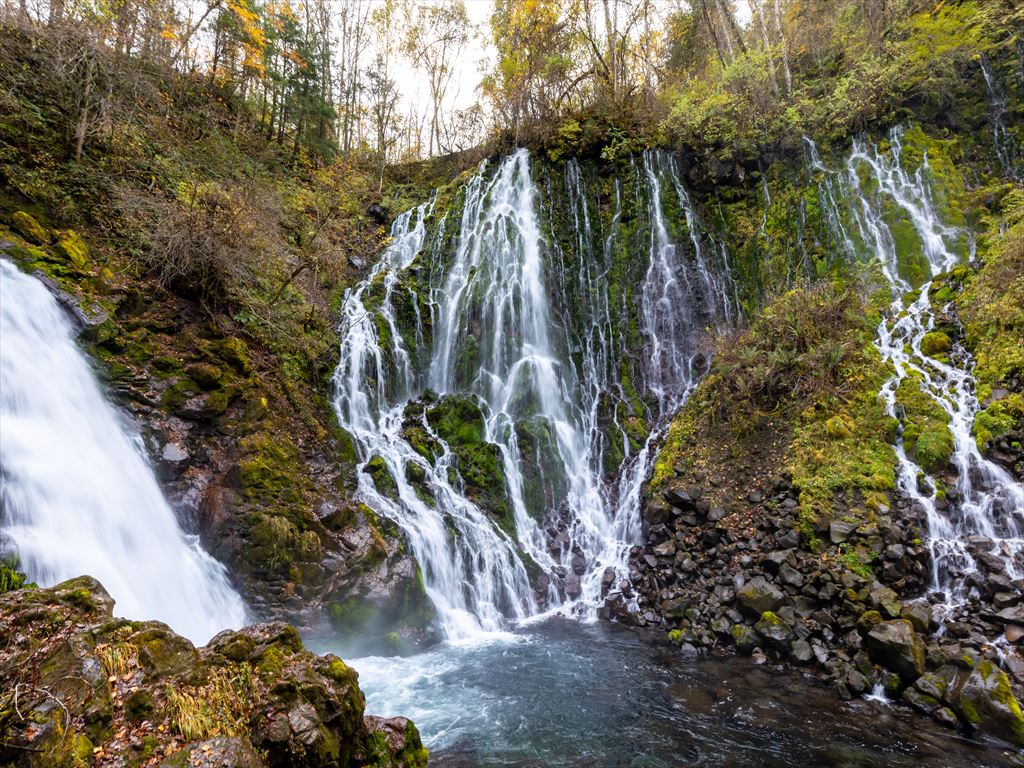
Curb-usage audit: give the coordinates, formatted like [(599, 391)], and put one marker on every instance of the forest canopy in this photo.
[(385, 79)]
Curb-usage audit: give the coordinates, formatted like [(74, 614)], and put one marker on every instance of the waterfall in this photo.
[(523, 326), (76, 493), (985, 500), (1005, 144)]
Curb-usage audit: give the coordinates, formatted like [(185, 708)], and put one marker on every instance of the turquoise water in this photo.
[(564, 693)]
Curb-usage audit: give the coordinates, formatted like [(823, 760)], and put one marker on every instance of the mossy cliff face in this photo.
[(245, 445), (774, 489), (81, 688)]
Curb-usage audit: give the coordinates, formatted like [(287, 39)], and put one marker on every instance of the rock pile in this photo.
[(845, 599)]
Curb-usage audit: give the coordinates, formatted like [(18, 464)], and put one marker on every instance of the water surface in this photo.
[(569, 694)]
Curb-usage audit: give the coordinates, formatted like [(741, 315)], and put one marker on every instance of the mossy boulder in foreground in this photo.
[(78, 686)]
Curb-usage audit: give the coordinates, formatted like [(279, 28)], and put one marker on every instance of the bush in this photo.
[(210, 242)]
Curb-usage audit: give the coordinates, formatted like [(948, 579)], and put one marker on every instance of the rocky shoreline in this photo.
[(738, 579)]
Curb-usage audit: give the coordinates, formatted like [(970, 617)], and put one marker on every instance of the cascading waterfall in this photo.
[(76, 493), (1005, 144), (986, 501), (529, 328)]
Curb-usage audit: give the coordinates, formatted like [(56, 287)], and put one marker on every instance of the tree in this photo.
[(435, 37)]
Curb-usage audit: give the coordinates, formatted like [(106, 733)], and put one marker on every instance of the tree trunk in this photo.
[(82, 126), (757, 10), (711, 31), (723, 6), (784, 48)]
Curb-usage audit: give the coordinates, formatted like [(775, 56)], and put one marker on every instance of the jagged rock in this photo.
[(394, 739), (886, 602), (745, 638), (868, 620), (790, 575), (986, 701), (249, 699), (932, 684), (919, 614), (1012, 615), (775, 630), (759, 596), (920, 701), (896, 646), (839, 531), (801, 651), (681, 500)]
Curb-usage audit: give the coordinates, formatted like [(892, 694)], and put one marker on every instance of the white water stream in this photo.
[(986, 501), (77, 496), (499, 336)]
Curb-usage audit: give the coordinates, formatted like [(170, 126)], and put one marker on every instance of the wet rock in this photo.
[(301, 709), (986, 702), (394, 742), (745, 638), (776, 632), (945, 716), (759, 596), (920, 701), (573, 587), (1012, 615), (896, 646)]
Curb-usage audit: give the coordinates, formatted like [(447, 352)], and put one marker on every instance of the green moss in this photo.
[(377, 468), (205, 375), (856, 561), (276, 543), (10, 577), (234, 352), (350, 617), (271, 468), (999, 419), (926, 435), (71, 247), (991, 308), (936, 343), (26, 226)]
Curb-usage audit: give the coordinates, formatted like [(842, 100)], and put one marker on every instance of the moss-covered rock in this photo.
[(986, 702), (72, 247), (935, 343), (26, 226), (254, 697), (896, 646)]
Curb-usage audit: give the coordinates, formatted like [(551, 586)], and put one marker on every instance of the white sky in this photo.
[(479, 50)]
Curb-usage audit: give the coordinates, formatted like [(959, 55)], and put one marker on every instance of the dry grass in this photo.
[(219, 707)]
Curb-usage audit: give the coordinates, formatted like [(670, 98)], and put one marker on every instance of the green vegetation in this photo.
[(991, 307), (10, 577), (805, 372)]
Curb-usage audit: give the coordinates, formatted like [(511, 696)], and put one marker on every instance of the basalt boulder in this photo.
[(896, 646)]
